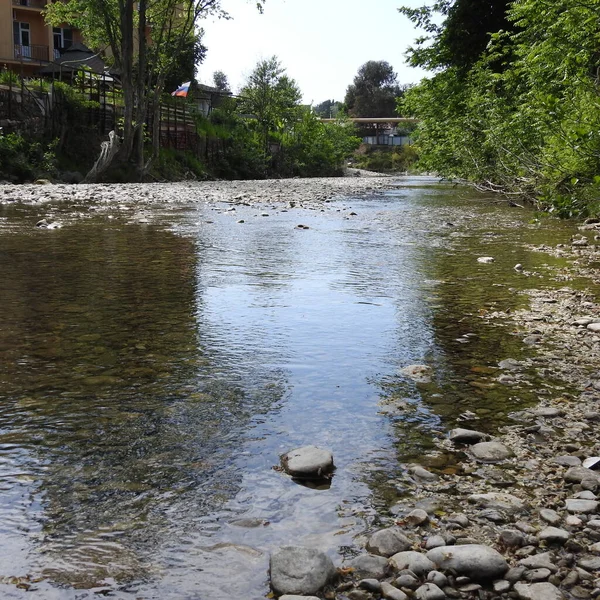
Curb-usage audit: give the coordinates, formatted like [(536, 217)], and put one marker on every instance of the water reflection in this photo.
[(152, 375)]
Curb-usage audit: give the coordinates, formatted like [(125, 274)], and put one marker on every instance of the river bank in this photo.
[(449, 484)]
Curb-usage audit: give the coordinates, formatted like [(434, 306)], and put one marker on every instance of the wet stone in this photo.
[(421, 474), (466, 436), (300, 570), (308, 462)]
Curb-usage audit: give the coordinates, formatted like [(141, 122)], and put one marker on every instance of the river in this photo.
[(153, 369)]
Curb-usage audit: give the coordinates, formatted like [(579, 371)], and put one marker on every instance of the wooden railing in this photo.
[(32, 52)]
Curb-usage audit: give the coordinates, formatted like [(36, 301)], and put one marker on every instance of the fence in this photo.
[(40, 106)]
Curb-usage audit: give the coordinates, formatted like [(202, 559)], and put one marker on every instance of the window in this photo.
[(21, 39), (63, 38)]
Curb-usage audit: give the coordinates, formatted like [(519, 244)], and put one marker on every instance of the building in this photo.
[(382, 131), (27, 42)]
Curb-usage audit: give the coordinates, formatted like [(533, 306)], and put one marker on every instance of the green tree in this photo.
[(374, 91), (329, 109), (271, 98), (221, 82)]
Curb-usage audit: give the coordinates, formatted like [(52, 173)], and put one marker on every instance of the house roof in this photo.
[(74, 58)]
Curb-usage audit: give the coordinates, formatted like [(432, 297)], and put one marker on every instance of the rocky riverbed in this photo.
[(511, 515)]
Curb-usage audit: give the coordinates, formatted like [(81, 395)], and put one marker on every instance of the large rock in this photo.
[(466, 436), (538, 591), (491, 451), (299, 570), (416, 562), (370, 566), (308, 462), (498, 501), (388, 541), (473, 560), (579, 505)]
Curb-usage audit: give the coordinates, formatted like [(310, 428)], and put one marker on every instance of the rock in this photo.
[(434, 541), (429, 591), (42, 182), (514, 574), (518, 267), (388, 541), (418, 373), (416, 562), (554, 535), (416, 517), (430, 505), (371, 585), (485, 259), (438, 578), (539, 561), (585, 495), (466, 436), (370, 566), (407, 579), (422, 474), (589, 563), (593, 462), (573, 521), (498, 501), (595, 327), (550, 516), (490, 451), (501, 586), (538, 591), (577, 474), (549, 412), (511, 538), (568, 461), (296, 597), (537, 575), (308, 462), (473, 560), (392, 593), (300, 570), (577, 505)]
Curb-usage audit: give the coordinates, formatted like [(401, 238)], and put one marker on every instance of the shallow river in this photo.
[(151, 373)]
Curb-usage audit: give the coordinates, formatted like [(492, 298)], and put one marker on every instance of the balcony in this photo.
[(31, 53), (35, 4)]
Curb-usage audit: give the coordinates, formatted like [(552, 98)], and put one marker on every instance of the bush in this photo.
[(22, 160), (386, 160)]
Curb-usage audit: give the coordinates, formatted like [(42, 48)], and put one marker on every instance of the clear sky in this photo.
[(321, 43)]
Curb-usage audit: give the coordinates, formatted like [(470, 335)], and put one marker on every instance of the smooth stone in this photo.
[(554, 535), (429, 591), (490, 451), (573, 521), (308, 461), (550, 516), (498, 501), (511, 538), (577, 505), (300, 570), (577, 474), (537, 575), (538, 591), (415, 517), (388, 541), (514, 574), (585, 495), (568, 461), (416, 562), (548, 411), (539, 561), (589, 563), (370, 566), (473, 560), (407, 579), (371, 585), (434, 541), (296, 597), (392, 593), (422, 474), (466, 436), (594, 327), (437, 578), (485, 259), (501, 586)]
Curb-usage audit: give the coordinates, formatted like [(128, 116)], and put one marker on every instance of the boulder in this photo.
[(308, 462), (491, 451), (300, 570), (473, 560), (388, 541)]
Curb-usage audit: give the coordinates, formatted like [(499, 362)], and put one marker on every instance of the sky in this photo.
[(321, 43)]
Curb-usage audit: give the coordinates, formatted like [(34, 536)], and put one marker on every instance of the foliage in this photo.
[(524, 117), (329, 109), (192, 53), (8, 77), (221, 82), (25, 160), (374, 91), (386, 160)]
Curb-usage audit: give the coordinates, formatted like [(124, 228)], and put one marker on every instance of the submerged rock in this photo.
[(308, 462), (418, 373), (466, 436), (300, 570)]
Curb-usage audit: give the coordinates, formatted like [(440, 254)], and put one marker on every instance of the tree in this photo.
[(193, 52), (221, 82), (146, 38), (329, 109), (271, 97), (374, 91)]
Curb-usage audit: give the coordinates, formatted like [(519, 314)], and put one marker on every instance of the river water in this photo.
[(152, 372)]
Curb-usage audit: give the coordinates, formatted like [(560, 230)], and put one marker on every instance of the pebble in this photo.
[(501, 586), (577, 505), (485, 259), (416, 517), (466, 436), (539, 561), (392, 593), (550, 516), (473, 560), (370, 566), (429, 591), (554, 535)]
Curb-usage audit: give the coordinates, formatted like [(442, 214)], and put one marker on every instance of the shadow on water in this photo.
[(152, 375)]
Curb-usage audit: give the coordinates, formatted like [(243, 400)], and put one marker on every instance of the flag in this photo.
[(182, 90)]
